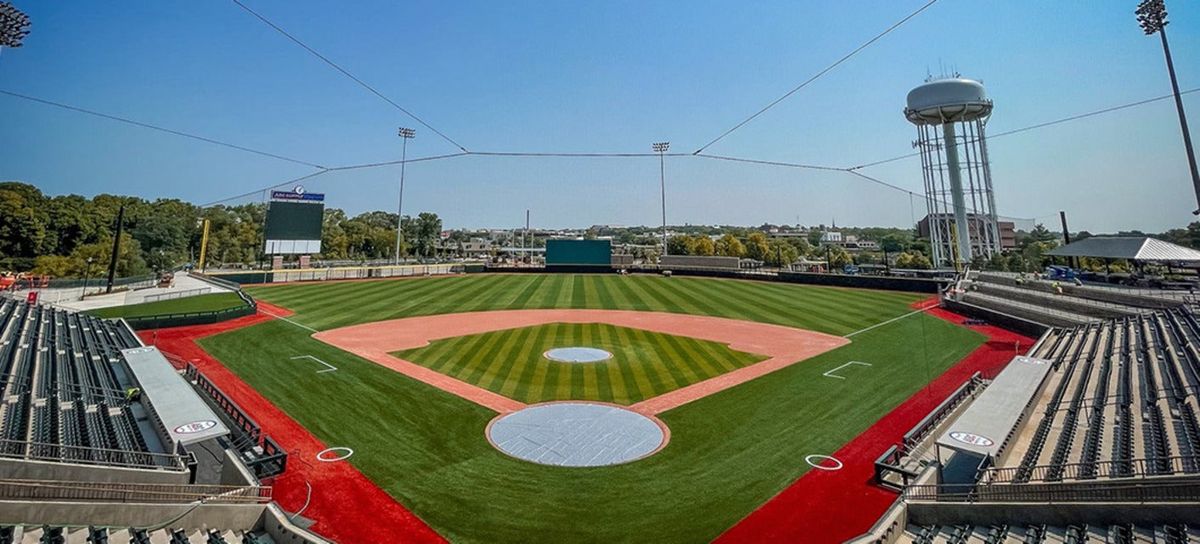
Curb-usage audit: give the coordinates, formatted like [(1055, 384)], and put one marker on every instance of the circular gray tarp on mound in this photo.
[(577, 355), (576, 434)]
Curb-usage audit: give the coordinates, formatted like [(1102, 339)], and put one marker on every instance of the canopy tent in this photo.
[(1138, 249)]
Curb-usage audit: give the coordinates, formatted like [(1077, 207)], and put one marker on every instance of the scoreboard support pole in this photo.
[(203, 246)]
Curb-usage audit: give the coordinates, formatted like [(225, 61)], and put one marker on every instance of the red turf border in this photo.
[(346, 505), (834, 506)]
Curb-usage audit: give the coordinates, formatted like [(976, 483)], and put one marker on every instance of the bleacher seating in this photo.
[(1059, 304), (1037, 534), (1122, 401), (63, 380)]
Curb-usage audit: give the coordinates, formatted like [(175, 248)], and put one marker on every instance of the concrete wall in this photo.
[(1011, 322), (670, 262), (18, 469), (234, 516)]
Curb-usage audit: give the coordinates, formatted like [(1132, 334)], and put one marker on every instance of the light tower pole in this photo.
[(405, 134), (14, 26), (661, 148), (1152, 15)]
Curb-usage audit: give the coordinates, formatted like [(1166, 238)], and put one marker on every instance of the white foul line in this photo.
[(330, 369), (830, 373), (892, 320), (306, 327)]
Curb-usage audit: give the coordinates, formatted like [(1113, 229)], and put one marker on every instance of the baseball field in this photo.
[(731, 447)]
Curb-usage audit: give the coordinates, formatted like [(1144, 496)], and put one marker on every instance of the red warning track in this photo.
[(347, 506), (833, 506)]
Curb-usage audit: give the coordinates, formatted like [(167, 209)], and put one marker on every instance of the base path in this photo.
[(346, 505), (826, 506), (783, 346)]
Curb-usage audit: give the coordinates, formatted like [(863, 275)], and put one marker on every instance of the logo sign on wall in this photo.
[(195, 427), (972, 439)]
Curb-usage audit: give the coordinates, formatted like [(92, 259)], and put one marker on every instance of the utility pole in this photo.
[(116, 250), (1062, 217), (1152, 16), (405, 134), (661, 148)]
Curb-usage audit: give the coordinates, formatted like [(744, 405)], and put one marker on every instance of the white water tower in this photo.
[(950, 115)]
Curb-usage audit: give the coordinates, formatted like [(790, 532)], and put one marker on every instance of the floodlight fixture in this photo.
[(14, 25), (1152, 15)]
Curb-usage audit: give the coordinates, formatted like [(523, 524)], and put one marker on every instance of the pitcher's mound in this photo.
[(577, 434), (577, 355)]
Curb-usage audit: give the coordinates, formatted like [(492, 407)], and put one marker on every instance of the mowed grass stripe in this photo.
[(520, 390), (513, 340), (826, 309), (619, 383), (664, 365)]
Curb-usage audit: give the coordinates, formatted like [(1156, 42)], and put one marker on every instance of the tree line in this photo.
[(72, 236)]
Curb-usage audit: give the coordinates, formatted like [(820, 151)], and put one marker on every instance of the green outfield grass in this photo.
[(644, 364), (200, 303), (729, 452)]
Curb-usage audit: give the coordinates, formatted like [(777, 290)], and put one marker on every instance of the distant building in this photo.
[(1008, 229)]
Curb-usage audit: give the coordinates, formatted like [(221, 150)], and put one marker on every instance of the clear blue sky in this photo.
[(599, 76)]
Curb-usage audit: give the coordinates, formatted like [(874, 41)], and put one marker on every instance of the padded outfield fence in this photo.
[(252, 277), (887, 283)]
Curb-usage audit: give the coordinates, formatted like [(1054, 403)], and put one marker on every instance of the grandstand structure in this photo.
[(90, 426), (1108, 433)]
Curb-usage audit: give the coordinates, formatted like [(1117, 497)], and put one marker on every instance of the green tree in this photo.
[(730, 246), (757, 246), (701, 245)]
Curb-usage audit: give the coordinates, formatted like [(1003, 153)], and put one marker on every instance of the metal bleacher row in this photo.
[(63, 382), (1036, 534), (101, 535), (1121, 401)]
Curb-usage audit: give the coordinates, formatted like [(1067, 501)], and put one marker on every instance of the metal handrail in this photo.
[(1139, 491), (131, 492), (1111, 469), (65, 453)]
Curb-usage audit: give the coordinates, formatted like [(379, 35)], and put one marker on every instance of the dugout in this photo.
[(563, 255)]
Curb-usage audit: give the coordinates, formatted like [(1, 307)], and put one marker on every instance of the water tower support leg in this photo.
[(956, 191)]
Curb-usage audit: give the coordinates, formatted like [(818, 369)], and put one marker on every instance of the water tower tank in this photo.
[(947, 100), (950, 115)]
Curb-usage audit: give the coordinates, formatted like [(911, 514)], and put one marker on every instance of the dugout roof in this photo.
[(186, 416), (1129, 248), (987, 422)]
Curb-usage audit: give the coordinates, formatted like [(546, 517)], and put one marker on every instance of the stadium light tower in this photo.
[(661, 148), (14, 26), (1152, 15), (405, 134)]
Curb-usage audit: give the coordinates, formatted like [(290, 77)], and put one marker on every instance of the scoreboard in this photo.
[(294, 221)]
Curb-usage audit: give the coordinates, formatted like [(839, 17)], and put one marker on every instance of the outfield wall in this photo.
[(1000, 319), (337, 273), (887, 283)]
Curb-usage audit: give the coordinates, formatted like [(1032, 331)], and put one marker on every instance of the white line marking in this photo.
[(830, 373), (892, 320), (322, 458), (330, 369), (306, 327), (820, 459)]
